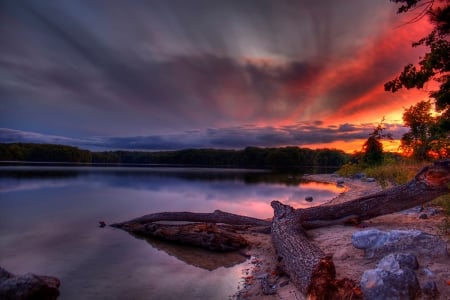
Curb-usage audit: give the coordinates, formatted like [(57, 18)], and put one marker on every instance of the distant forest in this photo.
[(250, 157)]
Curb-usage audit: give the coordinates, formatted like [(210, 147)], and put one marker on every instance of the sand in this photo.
[(349, 261)]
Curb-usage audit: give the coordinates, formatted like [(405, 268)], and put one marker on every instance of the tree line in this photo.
[(250, 157)]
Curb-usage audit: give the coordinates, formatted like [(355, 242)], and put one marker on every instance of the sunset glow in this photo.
[(204, 75)]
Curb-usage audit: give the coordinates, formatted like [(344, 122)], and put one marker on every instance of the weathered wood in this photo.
[(204, 235), (309, 268), (217, 216), (431, 182)]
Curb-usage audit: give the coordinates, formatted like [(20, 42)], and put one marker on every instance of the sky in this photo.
[(176, 74)]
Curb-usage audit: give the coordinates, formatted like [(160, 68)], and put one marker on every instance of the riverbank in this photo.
[(336, 240)]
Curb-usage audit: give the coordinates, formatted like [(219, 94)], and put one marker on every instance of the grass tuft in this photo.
[(396, 172), (391, 172)]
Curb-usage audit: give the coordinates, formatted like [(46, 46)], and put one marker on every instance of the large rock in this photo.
[(393, 278), (28, 286), (395, 261), (377, 243)]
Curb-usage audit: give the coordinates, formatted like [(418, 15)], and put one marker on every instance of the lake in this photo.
[(49, 225)]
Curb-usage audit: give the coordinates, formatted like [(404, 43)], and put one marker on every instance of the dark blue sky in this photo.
[(178, 74)]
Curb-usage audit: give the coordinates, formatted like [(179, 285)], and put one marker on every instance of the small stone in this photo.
[(423, 216), (370, 179), (267, 287), (359, 176), (428, 272), (101, 224), (262, 276), (430, 290), (284, 283), (340, 181), (433, 211), (309, 198)]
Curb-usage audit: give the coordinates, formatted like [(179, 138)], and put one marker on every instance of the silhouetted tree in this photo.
[(417, 140), (373, 148), (435, 64), (424, 139)]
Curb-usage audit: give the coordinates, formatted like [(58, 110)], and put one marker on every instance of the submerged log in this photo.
[(217, 216), (204, 235), (311, 270)]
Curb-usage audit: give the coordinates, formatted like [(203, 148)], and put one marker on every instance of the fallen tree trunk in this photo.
[(311, 270), (431, 182), (217, 216), (205, 235)]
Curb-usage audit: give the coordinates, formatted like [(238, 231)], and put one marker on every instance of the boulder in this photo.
[(28, 286), (396, 261), (393, 278), (377, 243)]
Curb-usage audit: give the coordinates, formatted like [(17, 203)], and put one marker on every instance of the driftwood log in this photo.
[(310, 269)]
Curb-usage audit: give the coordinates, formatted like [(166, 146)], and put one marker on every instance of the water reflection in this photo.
[(197, 257), (49, 217)]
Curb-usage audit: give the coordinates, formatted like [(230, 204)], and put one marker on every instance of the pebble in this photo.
[(423, 216), (284, 283)]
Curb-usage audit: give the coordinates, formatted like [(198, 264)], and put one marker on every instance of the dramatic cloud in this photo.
[(170, 74)]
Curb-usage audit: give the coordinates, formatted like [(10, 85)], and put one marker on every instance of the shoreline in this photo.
[(349, 261)]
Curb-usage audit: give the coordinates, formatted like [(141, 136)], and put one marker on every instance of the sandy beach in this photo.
[(336, 240)]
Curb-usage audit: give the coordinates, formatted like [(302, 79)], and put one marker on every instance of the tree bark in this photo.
[(205, 235), (310, 269), (217, 216), (431, 182)]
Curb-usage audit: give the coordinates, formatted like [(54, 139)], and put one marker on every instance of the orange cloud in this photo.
[(354, 145)]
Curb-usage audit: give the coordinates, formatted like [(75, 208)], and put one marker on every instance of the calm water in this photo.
[(49, 217)]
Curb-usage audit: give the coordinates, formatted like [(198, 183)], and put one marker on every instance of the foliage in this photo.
[(373, 149), (250, 157), (395, 170), (435, 65), (43, 152), (425, 138)]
